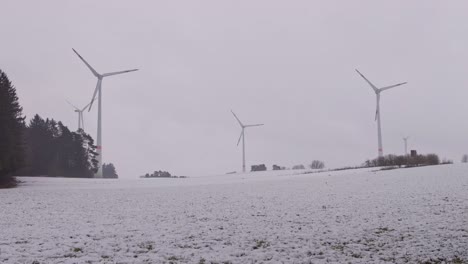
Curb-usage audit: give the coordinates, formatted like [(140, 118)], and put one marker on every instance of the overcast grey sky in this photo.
[(288, 64)]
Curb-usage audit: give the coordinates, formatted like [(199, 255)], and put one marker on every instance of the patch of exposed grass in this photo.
[(338, 247), (173, 259), (454, 260), (382, 230), (261, 244), (146, 245)]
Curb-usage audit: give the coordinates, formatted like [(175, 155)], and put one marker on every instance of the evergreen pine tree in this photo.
[(91, 153), (108, 171), (40, 142), (11, 128)]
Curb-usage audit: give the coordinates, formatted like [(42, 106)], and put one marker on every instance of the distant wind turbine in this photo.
[(80, 114), (377, 111), (406, 145), (242, 136), (96, 91)]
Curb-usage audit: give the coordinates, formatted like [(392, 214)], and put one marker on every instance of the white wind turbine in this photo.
[(242, 136), (99, 124), (80, 114), (406, 145), (377, 112)]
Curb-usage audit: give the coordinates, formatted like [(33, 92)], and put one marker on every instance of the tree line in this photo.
[(51, 149), (314, 165), (406, 161), (43, 147), (160, 174)]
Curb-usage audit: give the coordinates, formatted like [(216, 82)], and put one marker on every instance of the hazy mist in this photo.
[(287, 64)]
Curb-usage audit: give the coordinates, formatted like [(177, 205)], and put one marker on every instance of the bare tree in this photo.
[(317, 164)]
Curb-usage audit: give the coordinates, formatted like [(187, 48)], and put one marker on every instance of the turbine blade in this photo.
[(119, 72), (241, 135), (377, 108), (240, 123), (371, 84), (254, 125), (98, 86), (87, 105), (72, 105), (391, 86), (87, 64)]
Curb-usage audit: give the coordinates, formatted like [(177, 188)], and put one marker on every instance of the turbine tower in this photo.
[(242, 136), (99, 124), (377, 111), (406, 145), (80, 114)]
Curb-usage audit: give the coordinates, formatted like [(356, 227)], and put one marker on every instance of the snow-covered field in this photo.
[(356, 216)]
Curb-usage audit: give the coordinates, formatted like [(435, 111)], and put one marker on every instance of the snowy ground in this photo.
[(355, 216)]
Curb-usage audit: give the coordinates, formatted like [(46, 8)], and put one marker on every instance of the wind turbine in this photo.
[(99, 124), (80, 114), (242, 136), (406, 145), (377, 111)]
